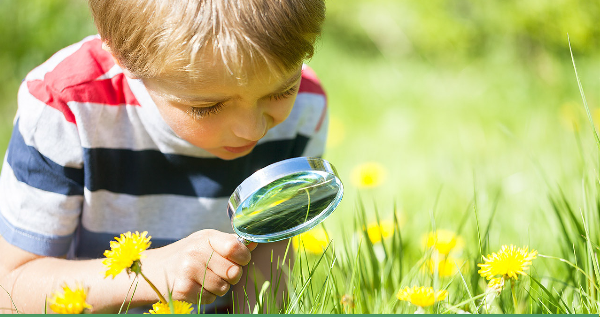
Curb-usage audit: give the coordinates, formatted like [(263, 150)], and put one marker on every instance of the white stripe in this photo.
[(164, 216), (313, 106), (316, 144), (112, 72), (117, 127), (37, 210), (40, 71), (47, 130)]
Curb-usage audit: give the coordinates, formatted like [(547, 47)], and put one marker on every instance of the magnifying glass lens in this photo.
[(277, 209)]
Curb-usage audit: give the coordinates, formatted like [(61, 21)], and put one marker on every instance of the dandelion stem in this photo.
[(162, 298), (514, 296)]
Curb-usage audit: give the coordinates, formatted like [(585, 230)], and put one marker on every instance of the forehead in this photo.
[(210, 68), (217, 79)]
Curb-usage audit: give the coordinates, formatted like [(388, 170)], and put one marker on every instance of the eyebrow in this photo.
[(283, 87)]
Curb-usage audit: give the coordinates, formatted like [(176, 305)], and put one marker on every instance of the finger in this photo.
[(227, 270), (229, 247), (212, 282), (206, 297), (192, 292)]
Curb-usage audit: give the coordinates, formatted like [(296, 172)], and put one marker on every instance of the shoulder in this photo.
[(310, 107), (310, 83), (78, 63), (81, 73)]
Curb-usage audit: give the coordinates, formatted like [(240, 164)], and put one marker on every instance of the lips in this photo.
[(240, 149)]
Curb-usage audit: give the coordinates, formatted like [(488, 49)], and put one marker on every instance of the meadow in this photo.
[(459, 117)]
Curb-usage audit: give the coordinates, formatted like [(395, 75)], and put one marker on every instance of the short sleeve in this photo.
[(314, 122), (41, 183)]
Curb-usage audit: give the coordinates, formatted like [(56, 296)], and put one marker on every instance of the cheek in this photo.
[(174, 117), (184, 125), (281, 109)]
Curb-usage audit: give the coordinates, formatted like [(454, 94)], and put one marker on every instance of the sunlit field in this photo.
[(457, 128)]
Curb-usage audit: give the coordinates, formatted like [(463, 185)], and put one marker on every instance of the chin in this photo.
[(228, 156)]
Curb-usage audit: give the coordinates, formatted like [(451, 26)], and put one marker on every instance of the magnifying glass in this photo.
[(284, 199)]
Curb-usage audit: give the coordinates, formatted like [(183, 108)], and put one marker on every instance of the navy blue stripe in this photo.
[(36, 170), (91, 245), (151, 172), (34, 242)]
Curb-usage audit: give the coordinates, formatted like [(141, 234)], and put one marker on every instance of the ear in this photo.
[(125, 70)]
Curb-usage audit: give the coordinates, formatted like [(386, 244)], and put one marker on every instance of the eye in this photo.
[(286, 94), (202, 112)]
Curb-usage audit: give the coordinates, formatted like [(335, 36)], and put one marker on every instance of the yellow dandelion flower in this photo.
[(70, 301), (125, 252), (179, 307), (509, 262), (445, 267), (496, 284), (383, 229), (347, 301), (313, 241), (444, 241), (421, 296), (368, 175)]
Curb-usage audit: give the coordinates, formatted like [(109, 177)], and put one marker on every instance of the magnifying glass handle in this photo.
[(244, 241)]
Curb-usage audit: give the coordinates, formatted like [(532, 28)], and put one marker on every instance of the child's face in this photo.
[(223, 117)]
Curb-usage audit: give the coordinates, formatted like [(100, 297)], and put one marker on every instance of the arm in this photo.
[(29, 278)]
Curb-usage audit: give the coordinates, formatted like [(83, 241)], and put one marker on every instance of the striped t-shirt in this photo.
[(90, 157)]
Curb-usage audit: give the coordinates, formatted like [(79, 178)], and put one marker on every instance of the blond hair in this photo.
[(158, 38)]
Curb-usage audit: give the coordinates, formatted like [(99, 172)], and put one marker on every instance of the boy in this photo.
[(150, 127)]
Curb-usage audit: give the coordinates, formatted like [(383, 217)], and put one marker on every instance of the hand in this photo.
[(184, 263)]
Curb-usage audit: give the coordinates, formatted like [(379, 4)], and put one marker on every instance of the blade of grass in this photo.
[(592, 260), (397, 245), (553, 300), (307, 282), (590, 280), (321, 294), (372, 257), (472, 299), (378, 219), (11, 299), (203, 280), (587, 109), (135, 280)]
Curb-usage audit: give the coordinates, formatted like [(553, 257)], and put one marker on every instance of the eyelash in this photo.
[(203, 112), (285, 94)]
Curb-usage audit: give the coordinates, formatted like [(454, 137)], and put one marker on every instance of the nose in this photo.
[(251, 125)]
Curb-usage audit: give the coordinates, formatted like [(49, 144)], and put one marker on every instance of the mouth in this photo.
[(240, 149)]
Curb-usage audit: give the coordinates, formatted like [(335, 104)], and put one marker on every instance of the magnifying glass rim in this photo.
[(273, 172)]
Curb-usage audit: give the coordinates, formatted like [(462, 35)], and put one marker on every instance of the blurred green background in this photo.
[(459, 101)]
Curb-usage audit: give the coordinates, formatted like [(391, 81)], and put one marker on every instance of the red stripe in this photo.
[(74, 79), (86, 64), (112, 91), (42, 92), (310, 82)]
